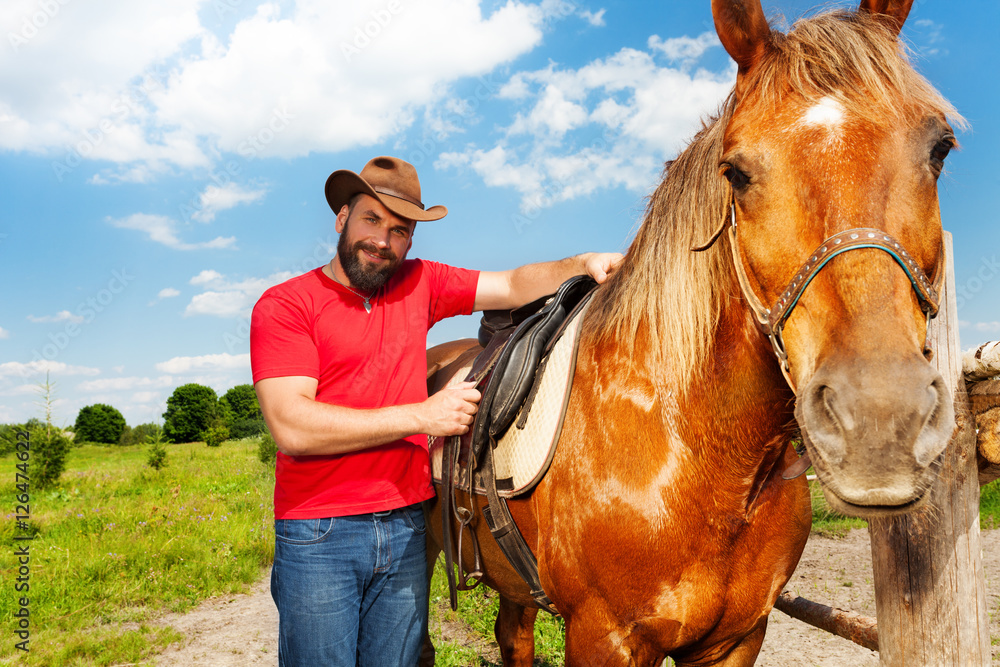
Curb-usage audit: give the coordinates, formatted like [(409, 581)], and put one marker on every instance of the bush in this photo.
[(267, 449), (99, 423), (140, 434), (247, 428), (215, 436), (191, 410)]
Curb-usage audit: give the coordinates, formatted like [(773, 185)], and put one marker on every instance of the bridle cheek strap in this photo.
[(772, 320)]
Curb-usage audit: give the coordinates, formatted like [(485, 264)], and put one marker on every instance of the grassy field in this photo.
[(117, 544)]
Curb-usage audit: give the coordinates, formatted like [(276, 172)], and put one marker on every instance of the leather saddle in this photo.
[(506, 371), (528, 334)]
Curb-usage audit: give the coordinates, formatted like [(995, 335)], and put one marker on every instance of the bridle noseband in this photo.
[(772, 320)]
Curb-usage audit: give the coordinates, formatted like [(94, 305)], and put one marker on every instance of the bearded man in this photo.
[(339, 365)]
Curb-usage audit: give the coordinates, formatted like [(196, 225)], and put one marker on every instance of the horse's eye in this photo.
[(940, 152), (737, 179)]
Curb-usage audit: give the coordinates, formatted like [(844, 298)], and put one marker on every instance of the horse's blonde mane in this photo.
[(677, 295)]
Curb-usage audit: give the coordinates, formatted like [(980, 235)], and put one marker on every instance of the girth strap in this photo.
[(509, 538)]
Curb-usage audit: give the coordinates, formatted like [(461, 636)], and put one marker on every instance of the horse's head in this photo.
[(836, 144)]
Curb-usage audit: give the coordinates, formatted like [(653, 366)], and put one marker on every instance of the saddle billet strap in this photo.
[(509, 538), (464, 581), (481, 367)]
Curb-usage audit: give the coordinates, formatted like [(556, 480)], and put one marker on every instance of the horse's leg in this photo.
[(745, 653), (515, 633)]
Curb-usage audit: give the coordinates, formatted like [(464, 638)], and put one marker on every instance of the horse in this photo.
[(668, 522)]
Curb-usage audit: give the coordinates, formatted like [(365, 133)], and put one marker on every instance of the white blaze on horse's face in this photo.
[(828, 113)]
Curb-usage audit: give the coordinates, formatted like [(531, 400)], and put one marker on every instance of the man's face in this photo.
[(373, 242)]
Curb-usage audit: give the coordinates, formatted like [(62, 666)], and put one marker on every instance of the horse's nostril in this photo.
[(834, 408)]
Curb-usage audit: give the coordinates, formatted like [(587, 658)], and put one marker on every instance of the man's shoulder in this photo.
[(295, 285)]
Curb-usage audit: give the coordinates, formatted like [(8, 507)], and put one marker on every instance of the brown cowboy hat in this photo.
[(392, 181)]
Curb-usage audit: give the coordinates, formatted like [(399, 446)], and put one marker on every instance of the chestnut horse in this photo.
[(665, 525)]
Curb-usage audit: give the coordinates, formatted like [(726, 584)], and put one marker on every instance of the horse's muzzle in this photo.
[(875, 432)]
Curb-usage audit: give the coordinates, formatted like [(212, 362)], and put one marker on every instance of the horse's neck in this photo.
[(737, 414)]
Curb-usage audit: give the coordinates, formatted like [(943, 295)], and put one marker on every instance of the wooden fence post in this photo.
[(930, 590)]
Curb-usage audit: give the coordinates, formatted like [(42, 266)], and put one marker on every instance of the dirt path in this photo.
[(242, 629)]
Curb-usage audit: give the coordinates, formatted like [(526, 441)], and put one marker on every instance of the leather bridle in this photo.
[(772, 320)]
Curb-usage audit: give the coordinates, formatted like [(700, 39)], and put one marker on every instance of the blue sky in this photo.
[(163, 163)]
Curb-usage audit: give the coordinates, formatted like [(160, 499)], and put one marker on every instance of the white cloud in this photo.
[(125, 384), (4, 333), (61, 316), (205, 277), (168, 293), (42, 366), (987, 327), (227, 298), (610, 123), (79, 85), (208, 362), (685, 48), (163, 230), (150, 88), (22, 390), (594, 19), (215, 199)]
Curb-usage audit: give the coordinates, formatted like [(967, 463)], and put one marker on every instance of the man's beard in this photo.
[(362, 278)]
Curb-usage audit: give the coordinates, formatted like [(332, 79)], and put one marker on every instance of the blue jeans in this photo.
[(351, 590)]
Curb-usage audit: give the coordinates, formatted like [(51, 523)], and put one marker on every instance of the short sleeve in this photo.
[(281, 341), (453, 290)]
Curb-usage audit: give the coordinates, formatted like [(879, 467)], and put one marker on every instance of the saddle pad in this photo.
[(522, 456), (525, 451)]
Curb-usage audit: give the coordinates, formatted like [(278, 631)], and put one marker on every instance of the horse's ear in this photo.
[(895, 11), (743, 30)]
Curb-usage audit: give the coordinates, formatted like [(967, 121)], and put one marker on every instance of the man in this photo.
[(339, 365)]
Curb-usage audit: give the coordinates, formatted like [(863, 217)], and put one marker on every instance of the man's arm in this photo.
[(503, 290), (302, 426)]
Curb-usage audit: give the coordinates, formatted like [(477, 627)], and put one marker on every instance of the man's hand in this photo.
[(451, 410), (600, 265)]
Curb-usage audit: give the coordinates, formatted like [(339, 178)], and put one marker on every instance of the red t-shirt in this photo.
[(313, 326)]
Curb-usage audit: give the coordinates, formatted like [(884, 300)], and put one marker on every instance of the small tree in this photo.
[(157, 457), (48, 443), (191, 410), (99, 423)]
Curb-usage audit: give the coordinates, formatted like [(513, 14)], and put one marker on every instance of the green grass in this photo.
[(989, 505), (827, 522), (117, 544), (478, 610)]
